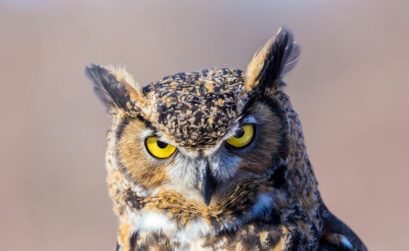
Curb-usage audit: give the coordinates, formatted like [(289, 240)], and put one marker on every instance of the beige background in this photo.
[(350, 89)]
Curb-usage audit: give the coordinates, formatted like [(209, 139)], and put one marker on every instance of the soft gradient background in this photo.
[(350, 89)]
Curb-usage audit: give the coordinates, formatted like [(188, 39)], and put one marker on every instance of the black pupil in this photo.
[(162, 144), (239, 133)]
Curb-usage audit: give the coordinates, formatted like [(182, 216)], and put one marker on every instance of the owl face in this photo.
[(198, 133), (158, 154)]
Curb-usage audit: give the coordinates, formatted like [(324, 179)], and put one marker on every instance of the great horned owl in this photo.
[(214, 160)]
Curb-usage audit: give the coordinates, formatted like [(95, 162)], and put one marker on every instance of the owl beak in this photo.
[(206, 184)]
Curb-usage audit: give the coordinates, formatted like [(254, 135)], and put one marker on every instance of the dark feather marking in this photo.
[(133, 201), (125, 121), (133, 241), (120, 129)]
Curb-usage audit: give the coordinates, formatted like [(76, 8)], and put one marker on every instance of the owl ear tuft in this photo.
[(115, 88), (275, 59)]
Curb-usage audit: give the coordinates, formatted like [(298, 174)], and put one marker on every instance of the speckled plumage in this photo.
[(207, 102), (261, 197)]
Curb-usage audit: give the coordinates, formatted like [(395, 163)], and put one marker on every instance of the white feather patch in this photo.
[(182, 171), (152, 222), (191, 236)]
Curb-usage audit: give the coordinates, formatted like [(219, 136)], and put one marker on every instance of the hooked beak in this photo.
[(206, 184)]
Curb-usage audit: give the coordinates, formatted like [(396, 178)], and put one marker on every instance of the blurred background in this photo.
[(350, 89)]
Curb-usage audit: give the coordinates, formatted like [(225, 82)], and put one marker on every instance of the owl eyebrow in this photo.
[(125, 121), (248, 120), (147, 123)]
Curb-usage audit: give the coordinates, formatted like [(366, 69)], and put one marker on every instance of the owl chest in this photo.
[(157, 232), (185, 241)]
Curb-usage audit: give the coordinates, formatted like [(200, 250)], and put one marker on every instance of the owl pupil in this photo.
[(239, 133), (162, 144)]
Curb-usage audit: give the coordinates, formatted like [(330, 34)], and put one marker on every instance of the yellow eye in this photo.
[(243, 137), (159, 149)]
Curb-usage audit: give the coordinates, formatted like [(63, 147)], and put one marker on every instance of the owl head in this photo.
[(219, 145)]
